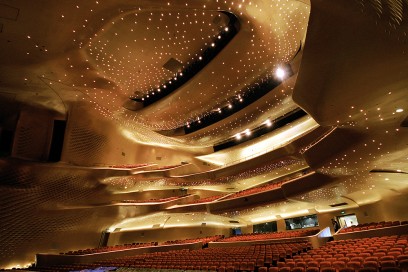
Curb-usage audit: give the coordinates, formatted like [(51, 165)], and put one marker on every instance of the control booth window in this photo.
[(265, 227), (302, 222)]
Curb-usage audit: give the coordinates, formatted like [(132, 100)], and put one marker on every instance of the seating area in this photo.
[(270, 236), (377, 254), (129, 166), (109, 248), (166, 167), (388, 253), (204, 240), (206, 199), (373, 225), (255, 190), (153, 200), (239, 258)]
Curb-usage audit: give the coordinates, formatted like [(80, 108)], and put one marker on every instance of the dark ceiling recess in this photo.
[(390, 171), (185, 74), (338, 204), (249, 95), (173, 65), (261, 130), (405, 122)]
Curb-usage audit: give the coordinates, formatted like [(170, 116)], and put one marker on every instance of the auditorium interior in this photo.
[(146, 130)]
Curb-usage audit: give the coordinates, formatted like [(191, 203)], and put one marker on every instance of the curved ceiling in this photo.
[(82, 62)]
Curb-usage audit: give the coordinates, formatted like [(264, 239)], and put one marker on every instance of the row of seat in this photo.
[(207, 199), (129, 166), (204, 240), (271, 235), (377, 253), (153, 200), (246, 258), (108, 248), (255, 190), (373, 225)]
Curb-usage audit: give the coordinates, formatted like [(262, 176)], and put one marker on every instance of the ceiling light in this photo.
[(280, 73), (268, 123), (247, 132), (238, 136), (399, 110)]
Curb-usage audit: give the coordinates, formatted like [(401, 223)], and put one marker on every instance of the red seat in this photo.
[(357, 259), (312, 269), (344, 259), (346, 269), (391, 269), (327, 269), (262, 269), (368, 269), (325, 264), (285, 269), (388, 263), (387, 258), (354, 264), (373, 264), (301, 264), (371, 259), (403, 264), (402, 257), (312, 264), (338, 264)]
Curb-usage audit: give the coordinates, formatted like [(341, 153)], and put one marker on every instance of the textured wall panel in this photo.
[(49, 209)]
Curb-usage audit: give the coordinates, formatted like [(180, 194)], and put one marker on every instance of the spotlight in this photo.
[(238, 136), (280, 73), (247, 132)]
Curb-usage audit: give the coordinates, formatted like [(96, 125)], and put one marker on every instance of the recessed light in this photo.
[(399, 110), (280, 73)]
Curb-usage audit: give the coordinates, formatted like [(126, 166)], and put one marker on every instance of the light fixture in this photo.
[(238, 136), (280, 73), (268, 123), (399, 110), (247, 132)]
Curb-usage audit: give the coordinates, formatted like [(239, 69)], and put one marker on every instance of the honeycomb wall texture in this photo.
[(49, 210)]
